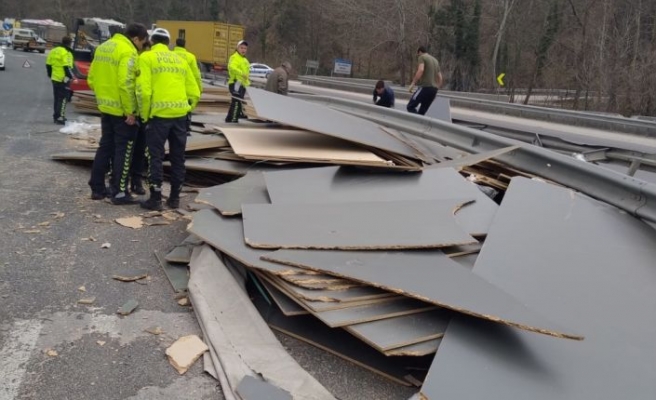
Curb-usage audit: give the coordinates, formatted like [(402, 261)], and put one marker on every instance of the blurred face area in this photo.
[(139, 42), (242, 49), (380, 91)]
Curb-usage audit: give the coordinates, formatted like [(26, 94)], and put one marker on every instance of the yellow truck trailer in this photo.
[(211, 42)]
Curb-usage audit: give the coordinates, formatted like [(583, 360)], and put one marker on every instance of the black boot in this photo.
[(136, 186), (174, 199), (154, 203)]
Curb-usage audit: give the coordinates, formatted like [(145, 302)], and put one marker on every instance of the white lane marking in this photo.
[(14, 355)]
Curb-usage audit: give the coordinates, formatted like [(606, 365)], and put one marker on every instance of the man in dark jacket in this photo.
[(277, 82), (383, 95)]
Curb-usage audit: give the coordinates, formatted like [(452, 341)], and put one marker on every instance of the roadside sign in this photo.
[(342, 66), (500, 78), (312, 64), (27, 64)]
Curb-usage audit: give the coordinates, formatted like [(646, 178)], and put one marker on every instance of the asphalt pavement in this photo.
[(51, 256)]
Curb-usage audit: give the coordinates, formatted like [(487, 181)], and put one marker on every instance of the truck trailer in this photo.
[(50, 31), (211, 42)]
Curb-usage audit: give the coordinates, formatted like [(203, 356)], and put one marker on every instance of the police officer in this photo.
[(139, 161), (193, 65), (167, 92), (191, 60), (112, 77), (238, 71), (59, 65)]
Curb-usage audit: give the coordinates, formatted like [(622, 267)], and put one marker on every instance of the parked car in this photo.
[(2, 60), (5, 41), (260, 70)]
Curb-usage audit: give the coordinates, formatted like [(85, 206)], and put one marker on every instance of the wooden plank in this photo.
[(344, 184), (406, 330), (74, 156), (227, 235), (297, 145), (340, 296), (322, 119), (199, 141), (317, 282), (429, 276), (352, 226), (584, 260), (335, 341), (321, 306), (228, 197), (352, 312)]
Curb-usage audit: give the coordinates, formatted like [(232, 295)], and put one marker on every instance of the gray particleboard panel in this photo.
[(227, 235), (468, 261), (335, 341), (392, 333), (216, 166), (415, 350), (396, 307), (586, 261), (179, 255), (178, 275), (473, 159), (317, 118), (251, 388), (287, 306), (344, 184), (352, 226), (228, 197), (429, 276)]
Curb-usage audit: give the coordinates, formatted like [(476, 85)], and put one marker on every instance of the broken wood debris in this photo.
[(184, 352)]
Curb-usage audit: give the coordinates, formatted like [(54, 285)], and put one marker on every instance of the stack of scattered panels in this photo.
[(213, 100), (565, 254), (361, 263), (389, 145)]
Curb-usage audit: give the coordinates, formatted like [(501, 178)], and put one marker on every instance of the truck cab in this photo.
[(89, 33), (28, 40)]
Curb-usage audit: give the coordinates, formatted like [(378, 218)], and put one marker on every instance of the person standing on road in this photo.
[(238, 71), (278, 80), (428, 79), (59, 65), (193, 65), (167, 93), (383, 95), (139, 160), (112, 78), (191, 60)]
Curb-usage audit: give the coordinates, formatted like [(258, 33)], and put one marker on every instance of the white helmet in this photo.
[(160, 32)]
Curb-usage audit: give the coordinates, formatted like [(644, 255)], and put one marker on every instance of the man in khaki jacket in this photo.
[(278, 79)]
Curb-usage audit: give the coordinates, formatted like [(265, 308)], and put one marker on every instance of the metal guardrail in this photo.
[(584, 119), (400, 92), (629, 194)]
